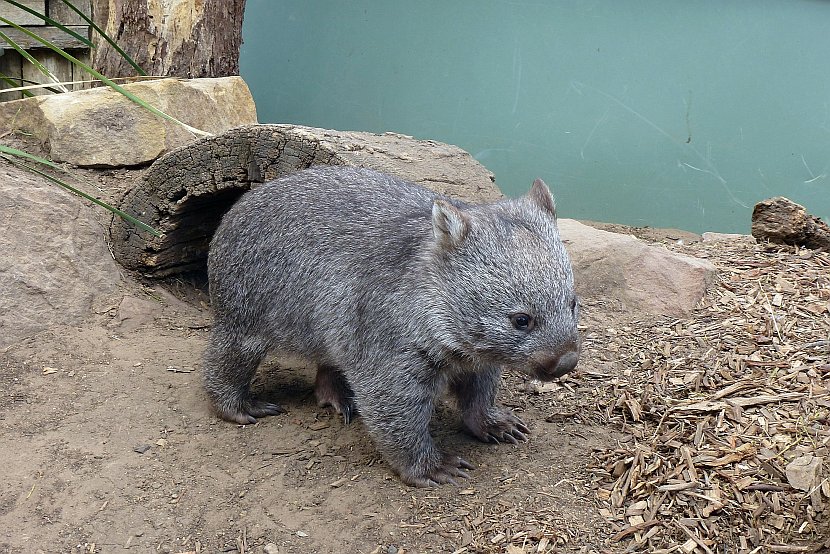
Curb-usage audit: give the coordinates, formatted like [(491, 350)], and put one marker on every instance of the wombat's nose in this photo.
[(566, 363), (556, 365)]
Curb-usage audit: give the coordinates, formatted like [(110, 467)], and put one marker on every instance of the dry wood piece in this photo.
[(783, 221), (717, 408), (185, 193)]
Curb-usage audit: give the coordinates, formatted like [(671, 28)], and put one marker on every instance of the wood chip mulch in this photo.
[(725, 415)]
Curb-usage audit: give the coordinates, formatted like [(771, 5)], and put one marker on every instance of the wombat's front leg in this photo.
[(476, 393), (229, 368), (397, 416)]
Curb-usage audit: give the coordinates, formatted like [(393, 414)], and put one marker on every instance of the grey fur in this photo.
[(397, 294)]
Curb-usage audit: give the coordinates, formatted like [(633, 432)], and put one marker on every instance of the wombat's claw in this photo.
[(344, 407), (444, 473), (513, 437), (248, 413), (501, 427), (348, 411)]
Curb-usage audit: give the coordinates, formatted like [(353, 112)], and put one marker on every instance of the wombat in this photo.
[(397, 293)]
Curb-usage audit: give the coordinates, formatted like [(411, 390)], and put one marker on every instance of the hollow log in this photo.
[(783, 221), (185, 193)]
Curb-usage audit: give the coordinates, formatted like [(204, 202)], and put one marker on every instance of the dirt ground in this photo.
[(108, 444)]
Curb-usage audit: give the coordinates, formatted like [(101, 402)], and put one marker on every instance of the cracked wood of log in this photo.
[(185, 193)]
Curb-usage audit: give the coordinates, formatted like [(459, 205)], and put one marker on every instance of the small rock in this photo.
[(271, 548), (135, 312), (319, 425), (141, 449), (803, 472)]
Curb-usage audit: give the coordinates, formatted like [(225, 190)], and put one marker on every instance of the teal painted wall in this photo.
[(644, 112)]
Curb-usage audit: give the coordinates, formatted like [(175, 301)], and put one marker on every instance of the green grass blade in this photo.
[(106, 37), (105, 80), (21, 154), (42, 68), (6, 79), (84, 195), (52, 22)]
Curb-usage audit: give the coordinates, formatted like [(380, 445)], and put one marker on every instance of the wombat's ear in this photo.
[(449, 224), (540, 195)]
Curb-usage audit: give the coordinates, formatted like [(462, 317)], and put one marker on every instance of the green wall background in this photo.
[(643, 112)]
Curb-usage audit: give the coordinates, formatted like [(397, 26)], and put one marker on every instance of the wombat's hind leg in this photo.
[(331, 389), (476, 393), (229, 369)]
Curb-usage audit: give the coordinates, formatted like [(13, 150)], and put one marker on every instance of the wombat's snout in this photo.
[(551, 365)]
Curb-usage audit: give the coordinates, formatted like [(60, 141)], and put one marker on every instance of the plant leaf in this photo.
[(6, 79), (22, 154)]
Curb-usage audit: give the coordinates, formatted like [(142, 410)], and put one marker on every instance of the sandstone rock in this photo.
[(635, 276), (803, 472), (102, 128), (55, 262)]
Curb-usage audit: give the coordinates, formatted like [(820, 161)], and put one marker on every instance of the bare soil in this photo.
[(109, 444)]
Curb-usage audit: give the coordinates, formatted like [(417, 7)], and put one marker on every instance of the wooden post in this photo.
[(16, 67)]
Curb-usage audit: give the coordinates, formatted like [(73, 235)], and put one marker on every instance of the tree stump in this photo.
[(171, 38), (783, 221), (185, 193)]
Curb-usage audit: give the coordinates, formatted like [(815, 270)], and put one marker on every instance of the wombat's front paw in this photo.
[(247, 413), (445, 472), (497, 426)]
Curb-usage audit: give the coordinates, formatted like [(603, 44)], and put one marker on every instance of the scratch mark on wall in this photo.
[(517, 72), (688, 117), (813, 177), (599, 122), (709, 167)]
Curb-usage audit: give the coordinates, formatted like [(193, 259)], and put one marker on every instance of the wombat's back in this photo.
[(293, 260)]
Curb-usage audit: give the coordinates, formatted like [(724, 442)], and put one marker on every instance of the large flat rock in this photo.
[(55, 262), (102, 128), (624, 272)]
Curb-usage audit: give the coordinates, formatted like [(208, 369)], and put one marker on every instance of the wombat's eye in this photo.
[(522, 322)]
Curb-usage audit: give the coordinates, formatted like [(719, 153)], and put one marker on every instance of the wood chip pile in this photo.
[(726, 414)]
